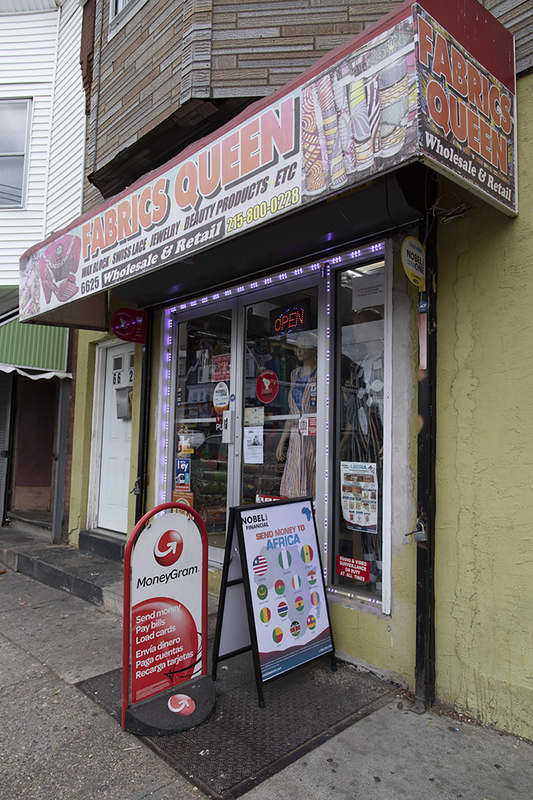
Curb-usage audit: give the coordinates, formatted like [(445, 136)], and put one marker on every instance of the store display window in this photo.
[(360, 447)]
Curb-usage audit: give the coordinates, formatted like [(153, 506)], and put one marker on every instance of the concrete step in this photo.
[(28, 549)]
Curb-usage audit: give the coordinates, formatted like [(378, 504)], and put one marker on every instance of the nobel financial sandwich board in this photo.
[(283, 585), (165, 602), (406, 89)]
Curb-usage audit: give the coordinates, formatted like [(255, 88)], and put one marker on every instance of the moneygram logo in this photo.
[(168, 548)]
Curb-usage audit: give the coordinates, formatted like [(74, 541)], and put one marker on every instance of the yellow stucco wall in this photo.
[(484, 525), (385, 644), (83, 434), (81, 439)]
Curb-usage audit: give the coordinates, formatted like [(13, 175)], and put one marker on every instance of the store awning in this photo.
[(33, 347), (431, 82)]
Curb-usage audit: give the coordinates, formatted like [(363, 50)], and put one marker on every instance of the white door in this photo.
[(116, 439)]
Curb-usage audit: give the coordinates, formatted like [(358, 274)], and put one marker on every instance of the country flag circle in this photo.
[(260, 566), (295, 628), (296, 582), (315, 598), (279, 586), (277, 635), (311, 577), (265, 614), (306, 553), (283, 609), (299, 604), (262, 591), (285, 559), (311, 622)]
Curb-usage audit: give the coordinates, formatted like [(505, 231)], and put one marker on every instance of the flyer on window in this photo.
[(359, 494), (253, 444)]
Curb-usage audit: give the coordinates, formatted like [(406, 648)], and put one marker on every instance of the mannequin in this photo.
[(300, 461)]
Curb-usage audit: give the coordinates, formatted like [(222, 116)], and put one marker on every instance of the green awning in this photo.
[(38, 347)]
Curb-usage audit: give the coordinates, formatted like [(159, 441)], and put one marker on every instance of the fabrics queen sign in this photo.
[(431, 82)]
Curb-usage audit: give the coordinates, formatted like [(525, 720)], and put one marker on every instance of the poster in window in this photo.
[(359, 494)]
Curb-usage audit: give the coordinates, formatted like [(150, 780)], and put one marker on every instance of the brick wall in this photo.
[(260, 46), (136, 77)]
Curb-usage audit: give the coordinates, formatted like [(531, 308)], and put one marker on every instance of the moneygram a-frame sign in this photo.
[(165, 686), (431, 82)]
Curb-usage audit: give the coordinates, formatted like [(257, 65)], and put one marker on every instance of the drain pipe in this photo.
[(142, 455), (425, 533)]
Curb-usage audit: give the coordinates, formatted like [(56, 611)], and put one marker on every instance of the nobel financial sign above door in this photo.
[(431, 82)]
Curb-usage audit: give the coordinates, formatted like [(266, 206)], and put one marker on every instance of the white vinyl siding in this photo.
[(39, 60), (67, 153)]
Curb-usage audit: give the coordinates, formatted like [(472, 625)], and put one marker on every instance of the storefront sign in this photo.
[(353, 568), (185, 445), (253, 449), (165, 605), (290, 319), (254, 415), (368, 291), (187, 498), (183, 475), (410, 91), (267, 386), (220, 397), (221, 367), (414, 261), (307, 426), (467, 126), (129, 325)]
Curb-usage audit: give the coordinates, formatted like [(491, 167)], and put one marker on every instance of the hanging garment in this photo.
[(299, 475)]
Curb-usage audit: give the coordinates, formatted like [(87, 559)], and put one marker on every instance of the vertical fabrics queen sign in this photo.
[(467, 124), (404, 90)]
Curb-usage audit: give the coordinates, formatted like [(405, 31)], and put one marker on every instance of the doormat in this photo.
[(240, 745)]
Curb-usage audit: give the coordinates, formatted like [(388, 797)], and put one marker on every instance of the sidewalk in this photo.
[(59, 743)]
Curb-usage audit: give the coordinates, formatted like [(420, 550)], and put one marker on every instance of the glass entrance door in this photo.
[(203, 385), (279, 420), (246, 405)]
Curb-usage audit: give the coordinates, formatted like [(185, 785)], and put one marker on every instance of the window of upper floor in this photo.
[(120, 12), (118, 5), (15, 118)]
